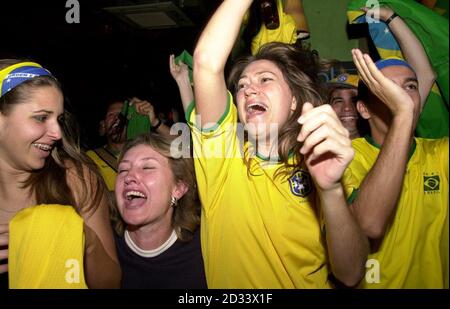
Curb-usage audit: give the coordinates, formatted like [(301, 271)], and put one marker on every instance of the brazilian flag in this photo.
[(432, 30)]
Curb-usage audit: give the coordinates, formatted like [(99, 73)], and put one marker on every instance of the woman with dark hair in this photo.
[(271, 192), (156, 197), (41, 163)]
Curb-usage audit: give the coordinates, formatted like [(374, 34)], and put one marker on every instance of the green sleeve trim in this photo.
[(372, 142), (191, 107), (189, 111), (353, 196)]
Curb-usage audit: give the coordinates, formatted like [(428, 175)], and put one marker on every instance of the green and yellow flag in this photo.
[(432, 30)]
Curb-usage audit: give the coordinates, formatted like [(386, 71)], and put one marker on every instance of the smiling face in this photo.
[(263, 95), (29, 130), (145, 185), (343, 102)]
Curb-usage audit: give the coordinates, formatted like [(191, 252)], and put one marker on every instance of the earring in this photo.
[(173, 201)]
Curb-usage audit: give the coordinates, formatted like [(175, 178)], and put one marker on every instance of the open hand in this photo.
[(391, 94), (178, 71), (382, 13)]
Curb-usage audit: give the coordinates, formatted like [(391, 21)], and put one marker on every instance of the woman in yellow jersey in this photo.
[(41, 164), (274, 213)]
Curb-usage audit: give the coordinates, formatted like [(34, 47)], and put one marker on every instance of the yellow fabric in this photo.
[(414, 250), (285, 33), (108, 174), (256, 233), (389, 53), (345, 79), (46, 246), (353, 15)]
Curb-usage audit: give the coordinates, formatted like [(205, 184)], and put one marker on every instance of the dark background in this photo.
[(105, 58), (102, 57)]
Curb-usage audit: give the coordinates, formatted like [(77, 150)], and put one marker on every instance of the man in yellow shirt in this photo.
[(106, 156), (114, 128), (398, 184)]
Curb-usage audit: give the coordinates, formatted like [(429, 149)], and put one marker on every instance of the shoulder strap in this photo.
[(108, 157)]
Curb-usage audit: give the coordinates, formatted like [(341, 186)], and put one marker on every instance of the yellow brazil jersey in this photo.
[(257, 231), (414, 250), (108, 172)]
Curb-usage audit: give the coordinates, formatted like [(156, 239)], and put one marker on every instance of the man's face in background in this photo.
[(111, 124), (343, 101)]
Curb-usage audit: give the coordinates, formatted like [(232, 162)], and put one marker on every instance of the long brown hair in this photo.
[(300, 67), (49, 184), (186, 215)]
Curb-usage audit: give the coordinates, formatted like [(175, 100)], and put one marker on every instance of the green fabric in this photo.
[(433, 32), (186, 58), (136, 123), (352, 196)]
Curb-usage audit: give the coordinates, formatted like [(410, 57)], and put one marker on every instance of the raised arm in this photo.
[(210, 57), (379, 192), (146, 108), (328, 150), (413, 52), (180, 73)]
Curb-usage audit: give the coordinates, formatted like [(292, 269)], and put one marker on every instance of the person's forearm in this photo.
[(379, 192), (186, 93), (210, 56), (415, 55), (347, 245), (163, 129), (218, 37), (101, 271)]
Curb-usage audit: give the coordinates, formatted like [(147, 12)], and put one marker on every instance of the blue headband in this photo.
[(383, 63), (14, 75)]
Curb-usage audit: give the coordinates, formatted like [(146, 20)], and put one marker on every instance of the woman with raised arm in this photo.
[(274, 213)]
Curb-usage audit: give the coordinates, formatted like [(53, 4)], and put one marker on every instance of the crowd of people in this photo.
[(291, 182)]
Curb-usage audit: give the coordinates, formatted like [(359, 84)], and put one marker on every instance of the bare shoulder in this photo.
[(79, 173), (85, 184)]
